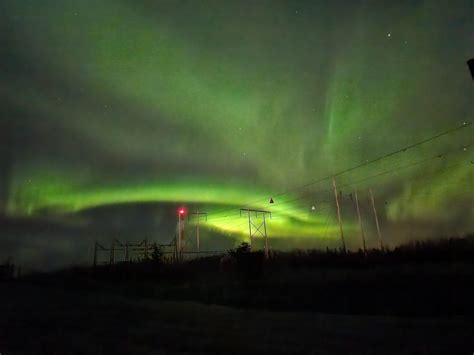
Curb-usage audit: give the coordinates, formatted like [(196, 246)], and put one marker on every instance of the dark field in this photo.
[(416, 301)]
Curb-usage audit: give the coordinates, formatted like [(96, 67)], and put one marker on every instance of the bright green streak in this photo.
[(50, 193), (199, 105)]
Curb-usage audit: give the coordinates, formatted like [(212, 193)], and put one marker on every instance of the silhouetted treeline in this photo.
[(441, 250), (7, 270), (427, 278)]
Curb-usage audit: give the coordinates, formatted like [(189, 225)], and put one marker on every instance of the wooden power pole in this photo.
[(95, 254), (339, 215), (362, 234), (376, 220), (198, 215), (112, 253)]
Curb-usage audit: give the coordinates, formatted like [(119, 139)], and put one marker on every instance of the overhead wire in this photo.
[(360, 165), (352, 183)]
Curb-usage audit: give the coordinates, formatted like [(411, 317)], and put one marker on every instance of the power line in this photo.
[(327, 208), (303, 209), (310, 195), (398, 168), (367, 162)]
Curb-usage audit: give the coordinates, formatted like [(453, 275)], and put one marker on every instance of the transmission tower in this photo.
[(257, 227)]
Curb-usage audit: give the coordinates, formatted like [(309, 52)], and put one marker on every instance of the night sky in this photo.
[(116, 113)]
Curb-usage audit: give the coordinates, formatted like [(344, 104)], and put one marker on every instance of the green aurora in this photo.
[(220, 105)]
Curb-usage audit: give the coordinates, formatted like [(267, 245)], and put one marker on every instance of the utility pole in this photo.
[(250, 231), (175, 249), (376, 219), (178, 237), (127, 255), (198, 215), (112, 253), (95, 254), (339, 215), (257, 228), (98, 247), (362, 234), (266, 237), (180, 241), (145, 251), (117, 242)]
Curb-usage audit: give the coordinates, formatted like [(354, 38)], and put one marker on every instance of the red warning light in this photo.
[(181, 211)]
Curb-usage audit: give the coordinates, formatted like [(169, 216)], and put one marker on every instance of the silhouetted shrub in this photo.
[(7, 270), (157, 254), (249, 264), (227, 263)]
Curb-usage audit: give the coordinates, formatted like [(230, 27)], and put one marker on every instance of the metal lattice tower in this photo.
[(259, 228)]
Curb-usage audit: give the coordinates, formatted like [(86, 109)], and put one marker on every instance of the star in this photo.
[(179, 94)]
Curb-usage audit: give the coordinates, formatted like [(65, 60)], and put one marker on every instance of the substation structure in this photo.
[(119, 252)]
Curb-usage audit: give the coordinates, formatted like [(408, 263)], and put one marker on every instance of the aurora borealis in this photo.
[(114, 113)]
